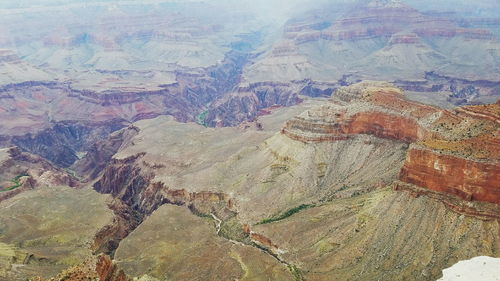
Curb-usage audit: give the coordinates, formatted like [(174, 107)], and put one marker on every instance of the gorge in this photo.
[(211, 140)]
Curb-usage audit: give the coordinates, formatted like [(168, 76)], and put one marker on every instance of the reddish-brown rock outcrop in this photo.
[(468, 179), (380, 111), (455, 152), (108, 271), (379, 124)]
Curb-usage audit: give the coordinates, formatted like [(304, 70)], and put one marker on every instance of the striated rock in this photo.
[(476, 209), (373, 108), (454, 151), (340, 126), (382, 20), (385, 41), (471, 180)]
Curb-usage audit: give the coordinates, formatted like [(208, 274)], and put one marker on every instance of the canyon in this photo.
[(208, 140), (360, 168)]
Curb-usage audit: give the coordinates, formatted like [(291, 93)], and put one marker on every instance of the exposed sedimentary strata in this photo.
[(379, 20), (277, 173), (395, 43), (469, 179), (381, 112), (339, 127), (455, 151), (246, 102), (136, 195)]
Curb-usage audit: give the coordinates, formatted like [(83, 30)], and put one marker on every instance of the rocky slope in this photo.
[(373, 237), (337, 159), (313, 197), (453, 151), (41, 238), (192, 141)]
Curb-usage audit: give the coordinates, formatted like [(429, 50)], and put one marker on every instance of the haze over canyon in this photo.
[(249, 140)]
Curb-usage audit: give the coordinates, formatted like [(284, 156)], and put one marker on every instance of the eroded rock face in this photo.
[(471, 180), (455, 151), (378, 19), (376, 109), (386, 41), (373, 236), (136, 195), (350, 148), (246, 102), (108, 271), (379, 124)]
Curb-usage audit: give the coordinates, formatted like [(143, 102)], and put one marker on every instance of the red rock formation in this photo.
[(100, 268), (379, 124), (456, 152), (383, 113), (472, 208), (468, 179), (108, 271), (264, 241)]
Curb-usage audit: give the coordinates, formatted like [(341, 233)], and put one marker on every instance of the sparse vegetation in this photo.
[(200, 119), (297, 275), (286, 214), (16, 183), (233, 230)]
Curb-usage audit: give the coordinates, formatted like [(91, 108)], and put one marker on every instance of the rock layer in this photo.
[(471, 180), (453, 151)]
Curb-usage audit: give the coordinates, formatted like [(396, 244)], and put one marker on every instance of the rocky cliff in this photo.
[(329, 171), (452, 151), (136, 195)]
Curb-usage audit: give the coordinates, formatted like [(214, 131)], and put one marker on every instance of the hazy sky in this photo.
[(280, 8)]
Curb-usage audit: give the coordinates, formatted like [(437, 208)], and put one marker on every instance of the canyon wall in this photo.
[(471, 180), (452, 151)]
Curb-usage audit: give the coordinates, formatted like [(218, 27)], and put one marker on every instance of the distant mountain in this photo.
[(381, 39)]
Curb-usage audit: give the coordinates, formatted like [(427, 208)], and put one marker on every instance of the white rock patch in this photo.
[(478, 268)]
